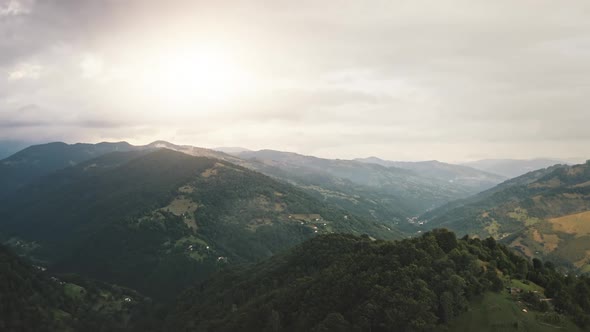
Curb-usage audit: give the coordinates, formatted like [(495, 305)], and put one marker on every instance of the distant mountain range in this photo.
[(542, 213), (386, 194), (466, 176), (231, 149), (511, 168)]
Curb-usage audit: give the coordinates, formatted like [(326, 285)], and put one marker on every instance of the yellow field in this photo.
[(209, 172), (551, 242), (581, 185), (578, 224), (537, 236)]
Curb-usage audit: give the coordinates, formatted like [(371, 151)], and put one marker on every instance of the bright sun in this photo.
[(190, 77)]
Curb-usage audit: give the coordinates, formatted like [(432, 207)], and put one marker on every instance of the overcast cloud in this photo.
[(403, 80)]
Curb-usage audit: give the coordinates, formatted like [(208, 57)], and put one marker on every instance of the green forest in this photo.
[(348, 283)]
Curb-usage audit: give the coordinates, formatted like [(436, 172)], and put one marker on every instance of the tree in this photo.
[(522, 269), (537, 264), (333, 322), (446, 240), (446, 307)]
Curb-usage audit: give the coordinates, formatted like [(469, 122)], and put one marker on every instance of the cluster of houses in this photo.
[(415, 221), (193, 247), (54, 279), (316, 219)]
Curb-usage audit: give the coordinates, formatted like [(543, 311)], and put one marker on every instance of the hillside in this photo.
[(159, 220), (500, 312), (348, 283), (542, 214), (468, 177), (33, 300)]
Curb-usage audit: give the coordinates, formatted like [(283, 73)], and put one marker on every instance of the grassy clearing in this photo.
[(493, 229), (522, 215), (183, 207), (499, 312), (198, 247), (188, 240), (526, 287), (585, 269), (74, 291)]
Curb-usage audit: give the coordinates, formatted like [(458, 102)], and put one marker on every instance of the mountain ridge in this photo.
[(166, 216)]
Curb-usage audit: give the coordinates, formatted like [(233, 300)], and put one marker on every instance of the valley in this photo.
[(161, 219)]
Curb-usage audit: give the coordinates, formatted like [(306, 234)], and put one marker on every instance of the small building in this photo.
[(514, 290)]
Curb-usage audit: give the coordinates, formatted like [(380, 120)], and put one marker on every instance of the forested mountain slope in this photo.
[(348, 283), (158, 221), (37, 160)]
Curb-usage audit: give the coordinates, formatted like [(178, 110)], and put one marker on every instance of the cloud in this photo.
[(15, 7), (91, 65), (25, 71), (408, 80)]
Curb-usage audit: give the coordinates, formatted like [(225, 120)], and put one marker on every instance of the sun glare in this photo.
[(194, 77)]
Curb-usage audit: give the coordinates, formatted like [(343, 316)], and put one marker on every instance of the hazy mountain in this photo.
[(466, 176), (389, 195), (160, 220), (192, 150), (38, 160), (542, 214), (8, 148), (512, 167), (231, 149)]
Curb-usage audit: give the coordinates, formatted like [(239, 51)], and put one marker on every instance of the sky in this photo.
[(402, 80)]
